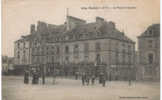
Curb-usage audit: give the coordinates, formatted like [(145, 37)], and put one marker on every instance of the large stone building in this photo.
[(75, 43), (149, 53)]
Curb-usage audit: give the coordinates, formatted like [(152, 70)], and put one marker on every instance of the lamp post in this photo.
[(43, 71), (43, 74)]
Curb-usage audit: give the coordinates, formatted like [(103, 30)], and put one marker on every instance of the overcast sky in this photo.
[(19, 14)]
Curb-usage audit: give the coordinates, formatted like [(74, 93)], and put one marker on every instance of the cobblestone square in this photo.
[(13, 88)]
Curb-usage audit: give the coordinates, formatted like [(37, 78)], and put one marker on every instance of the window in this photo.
[(80, 36), (38, 50), (117, 56), (123, 56), (52, 47), (67, 59), (42, 51), (129, 59), (38, 60), (150, 43), (148, 71), (66, 37), (24, 52), (52, 59), (66, 49), (24, 44), (86, 47), (35, 43), (150, 58), (98, 46), (18, 45), (76, 47), (18, 55), (150, 32), (123, 45), (98, 59), (70, 37), (52, 52), (76, 51), (86, 50), (58, 50)]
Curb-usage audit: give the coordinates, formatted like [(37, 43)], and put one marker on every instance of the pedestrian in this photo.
[(26, 77), (83, 78), (76, 75), (129, 81), (37, 77), (110, 77), (100, 77), (34, 77), (87, 79), (54, 75), (93, 79), (103, 80)]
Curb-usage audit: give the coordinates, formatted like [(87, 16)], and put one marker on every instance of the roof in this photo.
[(75, 18), (152, 31), (94, 30)]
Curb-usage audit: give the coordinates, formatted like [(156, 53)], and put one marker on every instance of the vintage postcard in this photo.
[(80, 49)]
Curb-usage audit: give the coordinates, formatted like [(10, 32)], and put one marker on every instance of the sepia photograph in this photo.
[(80, 50)]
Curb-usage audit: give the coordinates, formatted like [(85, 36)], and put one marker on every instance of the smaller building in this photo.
[(149, 53), (7, 64)]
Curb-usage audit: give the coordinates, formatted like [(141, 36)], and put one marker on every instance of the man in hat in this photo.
[(83, 78), (26, 77)]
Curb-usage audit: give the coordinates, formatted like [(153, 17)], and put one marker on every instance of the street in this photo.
[(13, 88)]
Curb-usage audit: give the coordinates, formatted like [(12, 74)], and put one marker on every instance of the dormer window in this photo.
[(150, 32)]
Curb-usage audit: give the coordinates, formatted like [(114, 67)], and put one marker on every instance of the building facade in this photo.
[(7, 64), (76, 43), (149, 53)]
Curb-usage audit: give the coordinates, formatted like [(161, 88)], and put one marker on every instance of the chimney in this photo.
[(112, 24), (32, 28), (99, 20), (42, 27)]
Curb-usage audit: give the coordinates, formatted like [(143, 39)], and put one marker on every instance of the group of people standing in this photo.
[(86, 78), (35, 77)]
